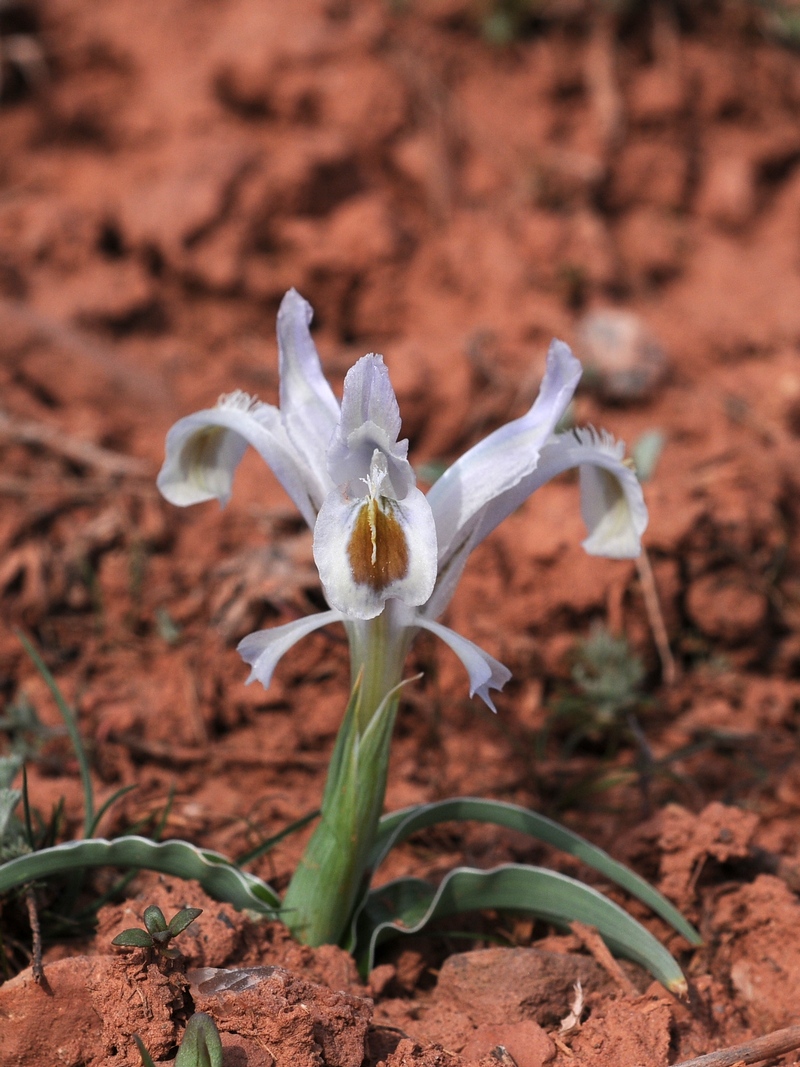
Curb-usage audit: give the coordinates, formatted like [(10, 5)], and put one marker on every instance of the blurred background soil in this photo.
[(451, 183)]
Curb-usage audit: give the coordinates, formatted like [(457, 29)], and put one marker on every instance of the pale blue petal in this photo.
[(370, 420), (450, 573), (499, 462), (332, 538), (309, 409), (612, 502), (369, 397), (485, 672), (203, 451), (612, 505), (262, 649)]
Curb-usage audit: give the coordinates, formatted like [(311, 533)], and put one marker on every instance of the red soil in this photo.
[(454, 205)]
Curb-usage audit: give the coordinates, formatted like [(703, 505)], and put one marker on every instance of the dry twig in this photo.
[(28, 432), (655, 618), (598, 948), (760, 1048), (36, 934)]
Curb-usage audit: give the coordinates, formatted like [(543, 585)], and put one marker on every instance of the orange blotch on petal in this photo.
[(378, 551)]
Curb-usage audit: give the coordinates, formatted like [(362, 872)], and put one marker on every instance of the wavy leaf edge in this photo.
[(399, 825), (649, 951), (216, 874)]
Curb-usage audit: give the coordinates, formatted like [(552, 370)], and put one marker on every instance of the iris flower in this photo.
[(389, 556)]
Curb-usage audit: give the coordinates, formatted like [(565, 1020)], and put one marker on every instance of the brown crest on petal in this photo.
[(378, 551), (202, 449)]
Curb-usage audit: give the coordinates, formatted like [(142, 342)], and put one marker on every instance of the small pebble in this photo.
[(623, 361)]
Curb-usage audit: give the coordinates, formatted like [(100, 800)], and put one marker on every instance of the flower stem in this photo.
[(378, 650), (329, 878)]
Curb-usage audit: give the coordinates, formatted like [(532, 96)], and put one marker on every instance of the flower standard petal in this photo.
[(496, 464), (370, 419), (309, 409), (368, 549), (375, 538), (264, 648), (485, 672), (203, 451)]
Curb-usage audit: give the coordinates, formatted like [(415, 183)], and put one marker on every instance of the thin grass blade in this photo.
[(147, 1059), (271, 842), (115, 796), (72, 729), (26, 808)]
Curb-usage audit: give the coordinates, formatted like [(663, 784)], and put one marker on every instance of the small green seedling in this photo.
[(158, 933), (201, 1046)]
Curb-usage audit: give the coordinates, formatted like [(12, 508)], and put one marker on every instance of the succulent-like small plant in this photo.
[(158, 932), (201, 1046)]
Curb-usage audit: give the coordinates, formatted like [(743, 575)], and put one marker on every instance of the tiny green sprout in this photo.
[(158, 933), (201, 1045)]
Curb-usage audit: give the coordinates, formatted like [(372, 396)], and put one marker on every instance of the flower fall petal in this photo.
[(203, 451), (485, 672), (612, 502), (264, 648), (371, 548)]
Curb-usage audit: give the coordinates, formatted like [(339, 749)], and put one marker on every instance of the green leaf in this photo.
[(407, 905), (71, 724), (201, 1045), (646, 453), (9, 798), (133, 938), (26, 808), (182, 919), (147, 1059), (108, 804), (401, 824), (154, 919), (271, 842), (215, 873), (10, 767), (328, 881)]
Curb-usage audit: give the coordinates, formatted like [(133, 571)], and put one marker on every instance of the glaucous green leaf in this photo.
[(406, 906), (401, 824), (214, 872)]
